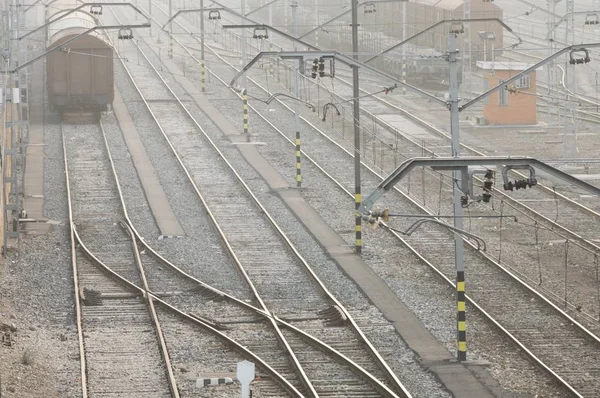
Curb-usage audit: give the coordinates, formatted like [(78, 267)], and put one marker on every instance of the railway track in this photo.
[(121, 350), (576, 377), (271, 279)]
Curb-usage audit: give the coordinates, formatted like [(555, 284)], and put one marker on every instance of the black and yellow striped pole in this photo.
[(358, 220), (245, 101), (356, 117), (271, 60), (403, 76), (202, 68), (298, 161), (202, 76), (461, 316)]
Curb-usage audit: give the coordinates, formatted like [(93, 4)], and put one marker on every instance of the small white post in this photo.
[(245, 374)]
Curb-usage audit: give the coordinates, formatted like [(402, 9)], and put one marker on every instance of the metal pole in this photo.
[(356, 114), (170, 29), (202, 69), (294, 6), (271, 14), (458, 210), (316, 23), (404, 47), (243, 41)]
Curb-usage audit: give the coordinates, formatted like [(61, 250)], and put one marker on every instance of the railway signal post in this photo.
[(356, 116)]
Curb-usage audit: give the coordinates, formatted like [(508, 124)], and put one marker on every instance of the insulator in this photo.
[(509, 186), (486, 196), (464, 201), (488, 184), (489, 174)]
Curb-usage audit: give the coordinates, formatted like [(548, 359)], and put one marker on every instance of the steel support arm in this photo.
[(188, 10), (262, 26), (346, 13), (62, 45), (443, 22), (77, 9), (261, 7), (565, 17), (543, 62), (455, 163), (332, 54)]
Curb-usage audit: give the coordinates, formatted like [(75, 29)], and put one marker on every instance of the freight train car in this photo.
[(79, 76)]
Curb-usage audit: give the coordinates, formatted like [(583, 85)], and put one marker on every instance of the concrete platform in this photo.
[(157, 199), (460, 379)]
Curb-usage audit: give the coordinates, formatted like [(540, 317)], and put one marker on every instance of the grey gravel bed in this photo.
[(36, 294)]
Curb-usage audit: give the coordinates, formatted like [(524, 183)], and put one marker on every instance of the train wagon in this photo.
[(80, 76)]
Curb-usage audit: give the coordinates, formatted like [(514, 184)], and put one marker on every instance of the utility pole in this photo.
[(570, 127), (294, 6), (170, 29), (316, 24), (458, 210), (467, 76), (551, 67), (242, 20), (404, 47), (202, 68), (356, 114)]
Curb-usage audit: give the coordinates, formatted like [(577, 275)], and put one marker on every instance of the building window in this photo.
[(523, 82), (502, 95)]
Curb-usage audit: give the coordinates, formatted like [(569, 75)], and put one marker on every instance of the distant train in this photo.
[(80, 77), (425, 68)]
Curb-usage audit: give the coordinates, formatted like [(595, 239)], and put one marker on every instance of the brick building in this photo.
[(504, 107)]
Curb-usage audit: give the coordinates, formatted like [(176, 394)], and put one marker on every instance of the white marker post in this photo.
[(245, 374)]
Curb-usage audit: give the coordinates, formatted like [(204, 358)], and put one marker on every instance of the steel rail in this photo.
[(355, 326), (164, 351), (513, 338), (76, 295), (380, 386), (145, 293)]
